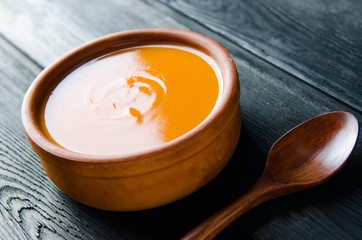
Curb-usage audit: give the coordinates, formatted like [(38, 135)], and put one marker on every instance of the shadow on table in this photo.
[(176, 219)]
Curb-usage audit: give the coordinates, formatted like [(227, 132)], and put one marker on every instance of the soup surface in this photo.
[(131, 100)]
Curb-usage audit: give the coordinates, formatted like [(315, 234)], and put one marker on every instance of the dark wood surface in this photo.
[(296, 59)]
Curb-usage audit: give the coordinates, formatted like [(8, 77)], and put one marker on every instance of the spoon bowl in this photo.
[(314, 150), (304, 157)]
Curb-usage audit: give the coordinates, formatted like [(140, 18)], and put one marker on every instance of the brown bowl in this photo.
[(145, 179)]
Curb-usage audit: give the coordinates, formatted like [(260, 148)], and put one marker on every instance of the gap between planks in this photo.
[(18, 53), (270, 60)]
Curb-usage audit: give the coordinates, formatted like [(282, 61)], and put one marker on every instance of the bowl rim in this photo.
[(203, 43)]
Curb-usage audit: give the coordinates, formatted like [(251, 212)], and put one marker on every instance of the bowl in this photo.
[(146, 179)]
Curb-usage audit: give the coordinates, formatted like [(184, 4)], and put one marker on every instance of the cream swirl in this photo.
[(127, 96)]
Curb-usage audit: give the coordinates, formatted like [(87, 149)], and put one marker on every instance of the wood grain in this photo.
[(317, 42), (279, 77), (30, 206)]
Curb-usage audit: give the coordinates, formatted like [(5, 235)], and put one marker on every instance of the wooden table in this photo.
[(296, 59)]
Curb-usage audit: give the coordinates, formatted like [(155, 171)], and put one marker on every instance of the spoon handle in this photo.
[(260, 192)]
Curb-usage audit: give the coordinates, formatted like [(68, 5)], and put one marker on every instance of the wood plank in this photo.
[(272, 101), (30, 205), (44, 45), (318, 42), (47, 37)]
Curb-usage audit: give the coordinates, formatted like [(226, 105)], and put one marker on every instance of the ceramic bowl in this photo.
[(141, 180)]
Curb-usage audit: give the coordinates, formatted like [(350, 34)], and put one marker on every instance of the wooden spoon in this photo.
[(304, 157)]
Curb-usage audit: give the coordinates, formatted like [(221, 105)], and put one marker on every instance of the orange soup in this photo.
[(133, 99)]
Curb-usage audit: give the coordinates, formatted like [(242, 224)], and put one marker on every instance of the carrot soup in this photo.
[(132, 99)]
